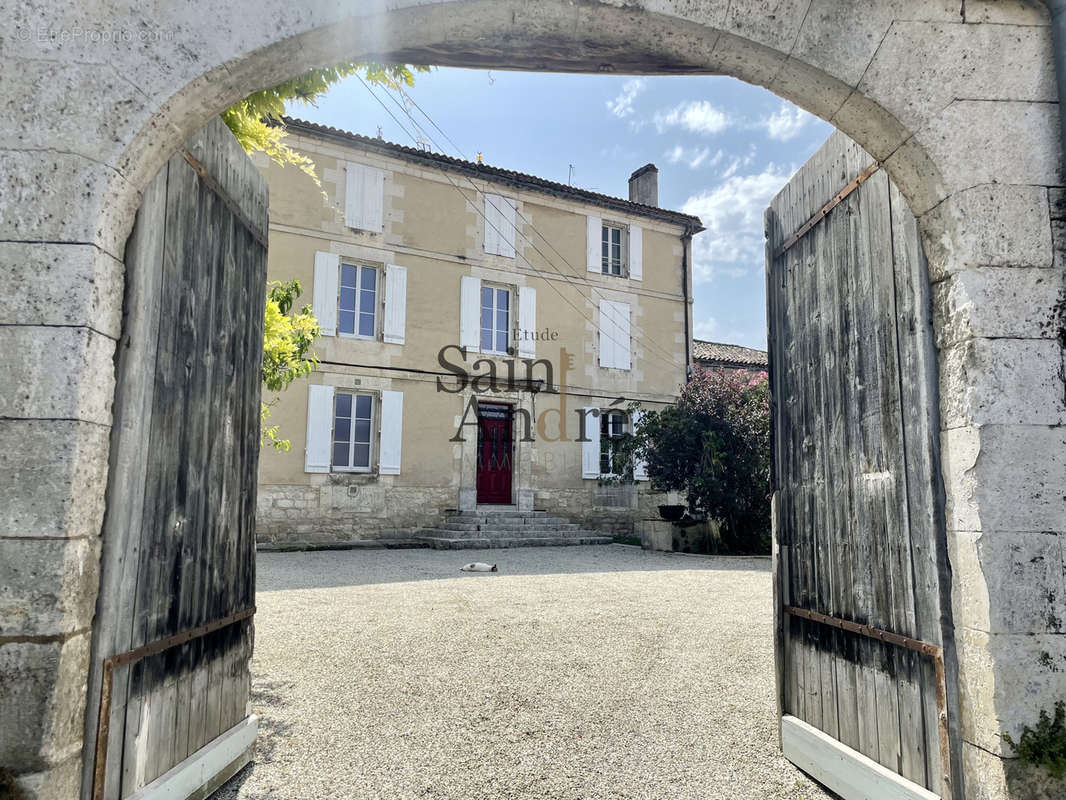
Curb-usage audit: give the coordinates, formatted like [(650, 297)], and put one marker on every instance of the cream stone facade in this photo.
[(385, 211)]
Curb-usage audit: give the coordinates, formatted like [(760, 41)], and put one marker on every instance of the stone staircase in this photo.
[(506, 527)]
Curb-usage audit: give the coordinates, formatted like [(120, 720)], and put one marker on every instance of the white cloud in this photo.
[(695, 157), (676, 154), (622, 106), (697, 116), (733, 211), (785, 123), (705, 329)]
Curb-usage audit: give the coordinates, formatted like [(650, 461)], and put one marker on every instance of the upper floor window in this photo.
[(357, 310), (495, 319), (612, 245), (353, 416)]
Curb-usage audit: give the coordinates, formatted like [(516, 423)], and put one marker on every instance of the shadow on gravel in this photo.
[(268, 701), (322, 569)]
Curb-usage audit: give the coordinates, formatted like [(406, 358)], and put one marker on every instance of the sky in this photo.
[(723, 148)]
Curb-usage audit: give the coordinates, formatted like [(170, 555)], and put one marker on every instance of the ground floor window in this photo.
[(353, 416), (612, 427)]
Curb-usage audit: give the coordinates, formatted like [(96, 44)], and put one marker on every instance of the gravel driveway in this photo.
[(573, 672)]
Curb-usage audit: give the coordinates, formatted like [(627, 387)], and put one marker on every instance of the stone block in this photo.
[(657, 534), (915, 173), (768, 22), (43, 102), (805, 85), (973, 143), (53, 196), (1005, 12), (56, 373), (42, 701), (1005, 477), (61, 782), (54, 284), (997, 303), (1002, 382), (841, 38), (1057, 202), (1005, 680), (1008, 582), (52, 477), (47, 587), (1016, 62), (993, 225)]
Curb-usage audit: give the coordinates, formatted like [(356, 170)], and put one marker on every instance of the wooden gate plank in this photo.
[(853, 394)]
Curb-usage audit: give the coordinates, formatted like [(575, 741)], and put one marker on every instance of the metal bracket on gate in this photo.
[(103, 721), (824, 211), (935, 652)]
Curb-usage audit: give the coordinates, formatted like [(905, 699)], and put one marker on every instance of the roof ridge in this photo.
[(531, 181)]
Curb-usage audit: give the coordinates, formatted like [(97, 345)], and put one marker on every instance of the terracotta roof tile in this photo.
[(730, 355)]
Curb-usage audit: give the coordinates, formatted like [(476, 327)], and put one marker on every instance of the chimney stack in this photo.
[(644, 186)]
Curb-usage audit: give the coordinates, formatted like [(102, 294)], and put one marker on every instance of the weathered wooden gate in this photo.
[(865, 657), (168, 701)]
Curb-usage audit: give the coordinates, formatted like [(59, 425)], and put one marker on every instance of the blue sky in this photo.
[(723, 149)]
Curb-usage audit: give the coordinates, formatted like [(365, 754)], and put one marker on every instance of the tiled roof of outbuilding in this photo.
[(728, 355), (471, 168)]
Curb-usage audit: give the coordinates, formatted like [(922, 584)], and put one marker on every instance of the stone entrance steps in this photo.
[(489, 528)]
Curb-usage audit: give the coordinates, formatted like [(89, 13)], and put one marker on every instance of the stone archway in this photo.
[(959, 105)]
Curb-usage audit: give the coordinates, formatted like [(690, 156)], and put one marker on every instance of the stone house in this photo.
[(477, 322), (716, 355)]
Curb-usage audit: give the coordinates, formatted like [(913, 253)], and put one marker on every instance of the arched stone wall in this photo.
[(957, 97)]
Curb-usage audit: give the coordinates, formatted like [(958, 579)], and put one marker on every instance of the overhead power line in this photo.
[(645, 339)]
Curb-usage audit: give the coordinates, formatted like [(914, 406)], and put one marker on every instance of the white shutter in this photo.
[(621, 321), (493, 223), (590, 450), (470, 313), (614, 334), (607, 334), (640, 466), (391, 433), (527, 321), (507, 227), (319, 428), (499, 225), (324, 292), (636, 253), (395, 304), (594, 243), (373, 198), (364, 197)]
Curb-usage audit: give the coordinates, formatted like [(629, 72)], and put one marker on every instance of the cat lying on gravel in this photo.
[(478, 566)]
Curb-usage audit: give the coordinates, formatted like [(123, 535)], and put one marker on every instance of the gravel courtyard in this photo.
[(576, 672)]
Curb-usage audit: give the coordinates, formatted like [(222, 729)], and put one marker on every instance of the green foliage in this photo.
[(1044, 745), (287, 339), (256, 121), (714, 446)]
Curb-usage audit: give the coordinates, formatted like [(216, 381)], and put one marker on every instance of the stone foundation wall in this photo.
[(345, 509), (340, 511)]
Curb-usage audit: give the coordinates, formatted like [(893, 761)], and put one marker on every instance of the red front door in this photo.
[(493, 454)]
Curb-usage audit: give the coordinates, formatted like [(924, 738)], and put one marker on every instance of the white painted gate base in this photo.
[(208, 768), (847, 772)]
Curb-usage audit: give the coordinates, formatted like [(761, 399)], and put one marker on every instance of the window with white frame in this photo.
[(358, 301), (612, 428), (353, 423), (495, 319), (613, 249)]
